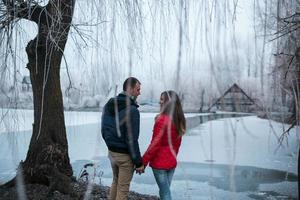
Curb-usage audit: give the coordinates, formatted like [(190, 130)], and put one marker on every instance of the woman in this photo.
[(161, 154)]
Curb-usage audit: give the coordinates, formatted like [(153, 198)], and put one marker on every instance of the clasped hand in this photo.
[(140, 170)]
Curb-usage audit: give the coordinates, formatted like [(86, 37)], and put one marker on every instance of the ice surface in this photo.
[(221, 159)]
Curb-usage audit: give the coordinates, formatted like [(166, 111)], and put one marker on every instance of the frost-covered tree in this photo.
[(281, 19), (47, 159)]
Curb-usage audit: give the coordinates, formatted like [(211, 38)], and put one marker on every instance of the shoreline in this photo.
[(79, 190)]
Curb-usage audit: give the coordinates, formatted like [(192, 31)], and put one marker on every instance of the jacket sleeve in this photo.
[(133, 135), (158, 132)]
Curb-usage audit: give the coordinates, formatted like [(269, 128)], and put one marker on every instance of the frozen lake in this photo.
[(232, 158)]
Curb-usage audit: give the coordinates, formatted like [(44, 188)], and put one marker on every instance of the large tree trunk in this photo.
[(47, 159), (296, 111)]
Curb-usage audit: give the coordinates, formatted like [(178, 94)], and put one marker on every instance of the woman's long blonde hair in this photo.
[(172, 107)]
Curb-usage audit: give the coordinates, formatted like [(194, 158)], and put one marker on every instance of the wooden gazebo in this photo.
[(234, 100)]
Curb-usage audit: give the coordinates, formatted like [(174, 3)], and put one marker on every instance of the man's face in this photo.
[(136, 90)]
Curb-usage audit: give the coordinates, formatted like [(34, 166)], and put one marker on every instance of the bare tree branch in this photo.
[(22, 9), (294, 18)]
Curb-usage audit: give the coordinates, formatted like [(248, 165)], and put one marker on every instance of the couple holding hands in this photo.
[(120, 129)]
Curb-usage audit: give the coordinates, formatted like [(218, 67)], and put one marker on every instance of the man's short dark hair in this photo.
[(131, 82)]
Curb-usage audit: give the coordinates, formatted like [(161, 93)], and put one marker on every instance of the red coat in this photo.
[(164, 146)]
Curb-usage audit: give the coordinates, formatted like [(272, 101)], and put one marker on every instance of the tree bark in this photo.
[(47, 160), (296, 111)]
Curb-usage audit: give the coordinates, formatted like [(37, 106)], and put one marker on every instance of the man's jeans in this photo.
[(122, 168), (163, 179)]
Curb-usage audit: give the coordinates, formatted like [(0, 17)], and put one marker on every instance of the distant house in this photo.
[(235, 100), (26, 84)]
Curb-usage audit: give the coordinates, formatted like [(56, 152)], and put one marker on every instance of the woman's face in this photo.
[(162, 101)]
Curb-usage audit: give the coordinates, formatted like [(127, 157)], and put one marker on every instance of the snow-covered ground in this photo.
[(233, 158)]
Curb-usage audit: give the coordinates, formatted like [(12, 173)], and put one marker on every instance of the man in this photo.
[(120, 130)]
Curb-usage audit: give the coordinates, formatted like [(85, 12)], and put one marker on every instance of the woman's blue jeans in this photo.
[(163, 179)]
